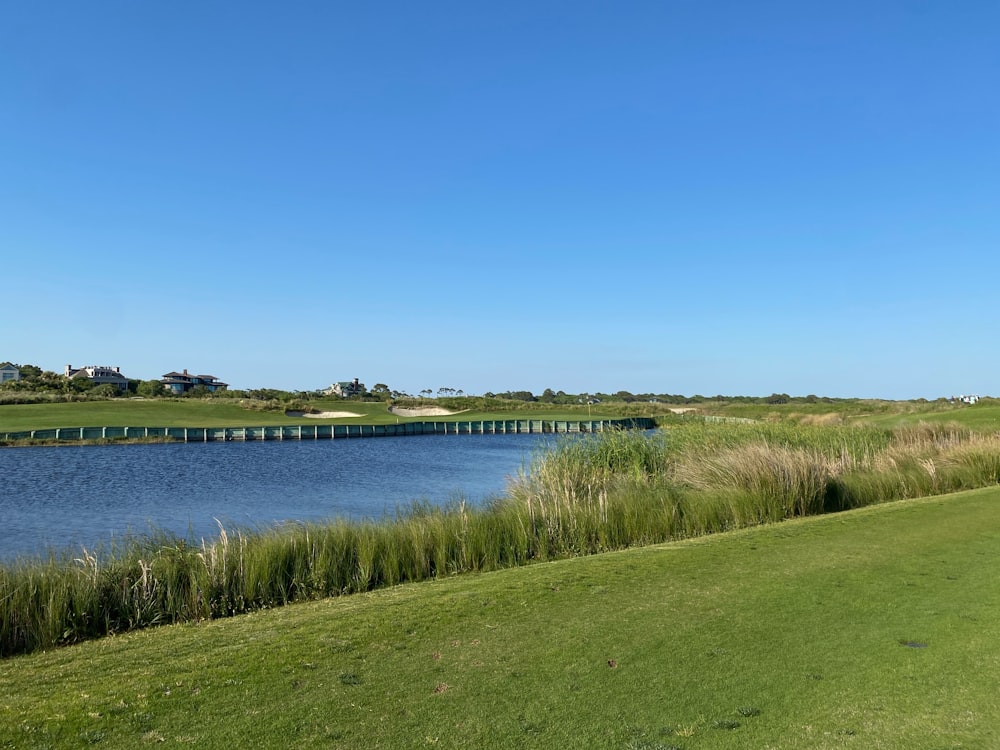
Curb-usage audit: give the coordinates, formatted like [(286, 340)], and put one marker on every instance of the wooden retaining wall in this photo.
[(327, 431)]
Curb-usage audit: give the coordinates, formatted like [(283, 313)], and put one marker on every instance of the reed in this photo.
[(587, 495)]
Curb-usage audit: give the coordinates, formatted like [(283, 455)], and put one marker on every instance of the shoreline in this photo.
[(69, 436)]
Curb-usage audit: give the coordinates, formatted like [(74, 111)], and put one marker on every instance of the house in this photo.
[(9, 372), (346, 388), (100, 374), (182, 382)]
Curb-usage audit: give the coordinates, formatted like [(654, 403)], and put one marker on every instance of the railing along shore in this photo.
[(324, 431)]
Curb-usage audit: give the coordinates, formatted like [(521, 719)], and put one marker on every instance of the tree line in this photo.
[(55, 386)]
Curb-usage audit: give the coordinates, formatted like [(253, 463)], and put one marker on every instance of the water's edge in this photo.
[(100, 435)]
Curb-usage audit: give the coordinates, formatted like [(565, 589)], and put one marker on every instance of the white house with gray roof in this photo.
[(9, 372), (100, 374)]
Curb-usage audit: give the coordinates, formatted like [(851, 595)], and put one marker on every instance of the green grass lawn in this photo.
[(984, 416), (847, 410), (870, 629), (224, 413), (129, 413)]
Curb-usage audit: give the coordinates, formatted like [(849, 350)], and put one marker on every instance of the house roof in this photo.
[(189, 376), (99, 372)]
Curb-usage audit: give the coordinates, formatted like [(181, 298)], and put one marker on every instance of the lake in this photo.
[(68, 496)]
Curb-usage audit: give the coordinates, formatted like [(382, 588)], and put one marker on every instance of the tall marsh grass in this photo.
[(589, 494)]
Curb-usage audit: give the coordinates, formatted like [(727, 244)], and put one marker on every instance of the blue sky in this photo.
[(676, 196)]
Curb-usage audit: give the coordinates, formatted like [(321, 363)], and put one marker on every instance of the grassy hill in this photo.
[(873, 628)]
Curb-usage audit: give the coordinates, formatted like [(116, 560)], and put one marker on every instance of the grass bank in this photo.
[(590, 495), (229, 413), (870, 629), (223, 412)]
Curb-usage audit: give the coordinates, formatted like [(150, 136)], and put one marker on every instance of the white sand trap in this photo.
[(322, 414), (423, 411)]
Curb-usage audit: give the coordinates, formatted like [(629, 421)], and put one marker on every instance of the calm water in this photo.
[(87, 495)]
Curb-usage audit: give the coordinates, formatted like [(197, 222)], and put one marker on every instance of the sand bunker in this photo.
[(423, 411), (322, 414)]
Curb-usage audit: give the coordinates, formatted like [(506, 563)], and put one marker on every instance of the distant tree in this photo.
[(79, 385), (106, 390), (263, 394), (778, 398), (33, 378), (198, 391), (51, 381), (151, 389), (426, 393), (548, 396)]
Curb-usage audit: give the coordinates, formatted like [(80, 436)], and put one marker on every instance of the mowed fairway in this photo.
[(137, 413), (877, 628), (982, 416), (228, 413)]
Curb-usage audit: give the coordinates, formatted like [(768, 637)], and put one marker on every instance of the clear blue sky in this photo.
[(674, 196)]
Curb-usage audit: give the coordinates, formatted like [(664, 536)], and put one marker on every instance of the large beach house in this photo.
[(182, 382), (346, 388), (100, 374)]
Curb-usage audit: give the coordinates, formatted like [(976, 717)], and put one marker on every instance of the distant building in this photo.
[(966, 399), (9, 372), (100, 374), (346, 388), (182, 382)]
